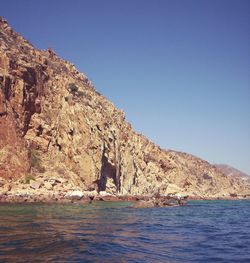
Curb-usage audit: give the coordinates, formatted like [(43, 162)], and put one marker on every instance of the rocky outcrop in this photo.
[(161, 201), (54, 125)]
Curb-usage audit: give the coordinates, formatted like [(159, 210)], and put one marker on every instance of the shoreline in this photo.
[(59, 199)]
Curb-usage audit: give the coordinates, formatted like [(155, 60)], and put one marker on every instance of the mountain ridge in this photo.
[(54, 125), (232, 171)]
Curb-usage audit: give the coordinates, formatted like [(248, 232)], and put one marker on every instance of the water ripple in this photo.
[(203, 231)]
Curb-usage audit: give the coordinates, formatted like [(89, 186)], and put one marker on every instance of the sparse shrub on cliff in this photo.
[(36, 161), (27, 178), (80, 93), (149, 158), (206, 176), (61, 171), (67, 98), (73, 88)]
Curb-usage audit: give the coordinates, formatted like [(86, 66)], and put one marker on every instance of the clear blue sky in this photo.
[(179, 69)]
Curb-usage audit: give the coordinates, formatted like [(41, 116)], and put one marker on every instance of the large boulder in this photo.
[(48, 185), (161, 201), (35, 184), (76, 195)]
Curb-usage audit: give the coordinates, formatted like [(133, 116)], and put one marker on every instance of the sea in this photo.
[(202, 231)]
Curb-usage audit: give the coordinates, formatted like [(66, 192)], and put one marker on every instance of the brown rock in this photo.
[(2, 182), (48, 185), (5, 189), (35, 184)]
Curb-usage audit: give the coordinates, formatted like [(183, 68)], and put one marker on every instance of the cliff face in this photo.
[(54, 124)]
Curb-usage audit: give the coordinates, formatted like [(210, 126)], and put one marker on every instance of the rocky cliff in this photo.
[(56, 129)]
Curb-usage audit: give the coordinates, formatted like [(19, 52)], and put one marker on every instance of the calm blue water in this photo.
[(202, 231)]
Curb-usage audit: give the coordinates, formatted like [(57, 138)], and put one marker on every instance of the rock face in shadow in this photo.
[(54, 125)]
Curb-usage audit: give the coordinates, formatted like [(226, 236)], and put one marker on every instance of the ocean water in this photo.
[(202, 231)]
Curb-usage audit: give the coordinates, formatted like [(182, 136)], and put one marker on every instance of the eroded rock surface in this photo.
[(56, 128)]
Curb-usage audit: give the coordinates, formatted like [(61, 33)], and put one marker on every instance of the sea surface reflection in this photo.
[(202, 231)]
